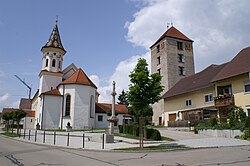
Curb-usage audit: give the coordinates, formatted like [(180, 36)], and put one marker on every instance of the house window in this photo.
[(159, 71), (158, 48), (181, 58), (67, 108), (54, 53), (158, 60), (47, 63), (247, 86), (208, 98), (179, 45), (188, 102), (31, 120), (47, 53), (181, 70), (100, 117), (53, 63), (91, 109)]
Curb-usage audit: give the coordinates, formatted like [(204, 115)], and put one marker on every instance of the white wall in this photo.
[(52, 112), (48, 81), (29, 122), (101, 124), (80, 105)]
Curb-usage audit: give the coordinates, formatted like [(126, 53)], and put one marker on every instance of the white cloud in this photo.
[(95, 80), (121, 77), (4, 98), (219, 28), (15, 104)]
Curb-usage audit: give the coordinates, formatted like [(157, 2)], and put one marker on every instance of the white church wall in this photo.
[(52, 111), (29, 122), (48, 81), (101, 123)]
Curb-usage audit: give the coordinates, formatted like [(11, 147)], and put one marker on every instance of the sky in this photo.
[(106, 37)]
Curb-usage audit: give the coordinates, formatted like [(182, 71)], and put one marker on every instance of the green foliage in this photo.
[(212, 122), (247, 123), (222, 126), (153, 134), (123, 98), (144, 90)]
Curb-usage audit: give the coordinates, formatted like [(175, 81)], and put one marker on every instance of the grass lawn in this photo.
[(9, 134), (154, 148)]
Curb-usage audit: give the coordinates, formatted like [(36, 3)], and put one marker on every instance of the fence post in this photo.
[(24, 133), (83, 140), (44, 136), (35, 135), (29, 134), (54, 138), (102, 141), (68, 140)]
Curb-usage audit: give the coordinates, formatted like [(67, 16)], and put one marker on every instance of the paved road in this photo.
[(16, 153)]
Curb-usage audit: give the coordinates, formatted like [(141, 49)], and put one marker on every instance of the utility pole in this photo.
[(25, 85)]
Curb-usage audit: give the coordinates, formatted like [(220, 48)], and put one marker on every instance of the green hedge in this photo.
[(152, 134)]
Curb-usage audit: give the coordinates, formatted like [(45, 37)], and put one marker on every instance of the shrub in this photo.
[(153, 134), (247, 133), (222, 126), (212, 122), (247, 123)]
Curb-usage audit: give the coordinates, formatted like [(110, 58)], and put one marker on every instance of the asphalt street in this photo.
[(17, 153)]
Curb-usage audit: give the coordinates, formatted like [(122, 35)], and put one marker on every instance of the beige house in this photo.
[(209, 93)]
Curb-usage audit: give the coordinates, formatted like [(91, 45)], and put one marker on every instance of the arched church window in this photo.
[(47, 62), (67, 107), (59, 64), (91, 110), (53, 63)]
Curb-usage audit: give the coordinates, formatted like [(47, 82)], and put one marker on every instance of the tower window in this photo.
[(159, 71), (47, 62), (181, 71), (179, 45), (158, 48), (59, 64), (67, 108), (158, 60), (54, 53), (53, 63), (91, 107), (181, 58)]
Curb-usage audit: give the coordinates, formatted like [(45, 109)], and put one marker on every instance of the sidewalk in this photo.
[(93, 141)]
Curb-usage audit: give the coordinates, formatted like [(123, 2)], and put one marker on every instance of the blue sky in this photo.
[(106, 37)]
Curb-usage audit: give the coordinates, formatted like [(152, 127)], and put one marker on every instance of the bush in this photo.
[(247, 123), (222, 126), (212, 122), (153, 134), (247, 133)]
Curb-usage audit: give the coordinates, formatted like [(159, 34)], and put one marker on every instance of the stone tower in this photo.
[(171, 57), (53, 52)]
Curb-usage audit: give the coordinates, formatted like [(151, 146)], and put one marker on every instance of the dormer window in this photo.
[(53, 63)]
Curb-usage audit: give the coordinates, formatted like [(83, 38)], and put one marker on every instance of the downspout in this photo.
[(62, 108), (42, 113)]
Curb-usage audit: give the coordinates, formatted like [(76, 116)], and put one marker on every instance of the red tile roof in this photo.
[(55, 92), (25, 104), (195, 82), (173, 33), (104, 107), (30, 113), (79, 77), (240, 64)]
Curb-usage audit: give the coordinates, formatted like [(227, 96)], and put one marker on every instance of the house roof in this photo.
[(104, 108), (240, 64), (30, 113), (54, 39), (25, 104), (173, 33), (195, 82), (79, 77), (54, 92)]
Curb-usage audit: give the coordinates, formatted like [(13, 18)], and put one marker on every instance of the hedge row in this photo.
[(152, 134)]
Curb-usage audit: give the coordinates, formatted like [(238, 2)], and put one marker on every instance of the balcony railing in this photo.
[(224, 100)]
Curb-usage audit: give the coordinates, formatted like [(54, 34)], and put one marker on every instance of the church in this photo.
[(67, 96)]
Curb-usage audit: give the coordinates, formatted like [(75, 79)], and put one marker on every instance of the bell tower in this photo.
[(52, 60), (171, 57)]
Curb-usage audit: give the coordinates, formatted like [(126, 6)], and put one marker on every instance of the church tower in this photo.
[(171, 57), (53, 52)]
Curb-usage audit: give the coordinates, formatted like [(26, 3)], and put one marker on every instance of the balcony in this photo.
[(224, 100)]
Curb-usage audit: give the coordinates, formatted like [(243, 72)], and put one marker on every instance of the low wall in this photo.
[(220, 133)]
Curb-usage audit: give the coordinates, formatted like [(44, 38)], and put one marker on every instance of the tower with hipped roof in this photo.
[(171, 57)]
